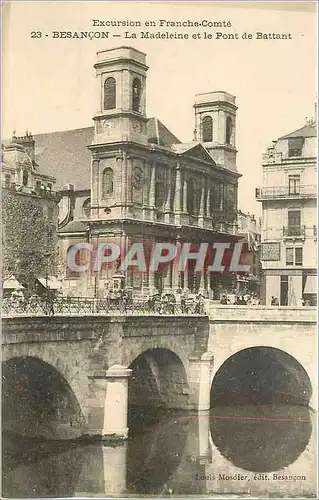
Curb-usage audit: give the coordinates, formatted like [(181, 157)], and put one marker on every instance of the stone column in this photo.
[(204, 430), (202, 288), (168, 199), (208, 203), (152, 191), (200, 381), (175, 265), (202, 206), (116, 403), (114, 464), (177, 197), (185, 196)]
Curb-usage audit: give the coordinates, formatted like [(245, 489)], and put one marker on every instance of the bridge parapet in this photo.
[(260, 313), (86, 306)]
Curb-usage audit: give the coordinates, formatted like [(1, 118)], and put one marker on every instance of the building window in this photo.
[(284, 290), (231, 199), (294, 222), (294, 184), (207, 129), (136, 94), (295, 146), (289, 256), (193, 196), (25, 177), (294, 256), (86, 207), (298, 256), (107, 182), (110, 93), (214, 198), (229, 127), (49, 185), (159, 194), (7, 180)]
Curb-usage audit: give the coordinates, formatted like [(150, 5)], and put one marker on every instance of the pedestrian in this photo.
[(223, 300)]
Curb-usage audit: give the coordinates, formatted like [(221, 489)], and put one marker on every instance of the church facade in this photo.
[(146, 185)]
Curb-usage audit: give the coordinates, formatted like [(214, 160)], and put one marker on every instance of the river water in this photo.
[(263, 451)]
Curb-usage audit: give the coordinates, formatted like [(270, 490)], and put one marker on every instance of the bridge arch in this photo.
[(59, 358), (37, 400), (261, 375), (260, 417), (158, 381)]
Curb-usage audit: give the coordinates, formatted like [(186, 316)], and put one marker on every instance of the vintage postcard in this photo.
[(159, 241)]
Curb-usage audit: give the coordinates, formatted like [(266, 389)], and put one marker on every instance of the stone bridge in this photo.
[(71, 375)]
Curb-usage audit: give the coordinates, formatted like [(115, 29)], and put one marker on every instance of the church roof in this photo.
[(65, 155), (308, 130), (159, 134), (75, 226), (184, 146)]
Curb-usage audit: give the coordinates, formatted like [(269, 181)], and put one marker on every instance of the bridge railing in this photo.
[(66, 306)]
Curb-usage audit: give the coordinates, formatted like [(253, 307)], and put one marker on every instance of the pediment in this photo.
[(199, 152)]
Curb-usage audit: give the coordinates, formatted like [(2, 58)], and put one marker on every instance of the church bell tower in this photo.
[(215, 126), (121, 113), (120, 123)]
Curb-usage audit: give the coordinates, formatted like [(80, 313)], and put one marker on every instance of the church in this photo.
[(129, 179)]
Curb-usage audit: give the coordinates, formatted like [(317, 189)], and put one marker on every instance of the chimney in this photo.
[(28, 144)]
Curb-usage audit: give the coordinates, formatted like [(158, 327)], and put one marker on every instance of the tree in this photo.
[(29, 236)]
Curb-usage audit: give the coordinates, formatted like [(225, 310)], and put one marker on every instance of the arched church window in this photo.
[(229, 130), (110, 93), (86, 207), (136, 94), (159, 194), (107, 182), (207, 129), (25, 177)]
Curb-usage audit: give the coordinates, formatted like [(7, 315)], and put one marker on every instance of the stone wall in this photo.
[(292, 330)]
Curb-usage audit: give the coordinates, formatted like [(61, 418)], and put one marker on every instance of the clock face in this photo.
[(109, 126), (138, 177), (137, 126)]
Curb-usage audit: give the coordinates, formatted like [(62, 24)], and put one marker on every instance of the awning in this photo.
[(52, 282), (311, 285), (12, 284)]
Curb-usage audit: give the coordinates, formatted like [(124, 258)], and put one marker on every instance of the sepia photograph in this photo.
[(159, 249)]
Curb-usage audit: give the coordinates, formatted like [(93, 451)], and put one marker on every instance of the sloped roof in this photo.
[(75, 226), (194, 149), (159, 134), (184, 146), (65, 155), (307, 130)]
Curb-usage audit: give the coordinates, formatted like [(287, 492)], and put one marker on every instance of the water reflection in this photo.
[(166, 457), (261, 438), (38, 468)]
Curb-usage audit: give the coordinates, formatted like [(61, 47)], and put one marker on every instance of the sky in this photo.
[(49, 83)]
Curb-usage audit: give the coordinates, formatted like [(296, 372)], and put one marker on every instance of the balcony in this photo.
[(294, 232), (283, 192)]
